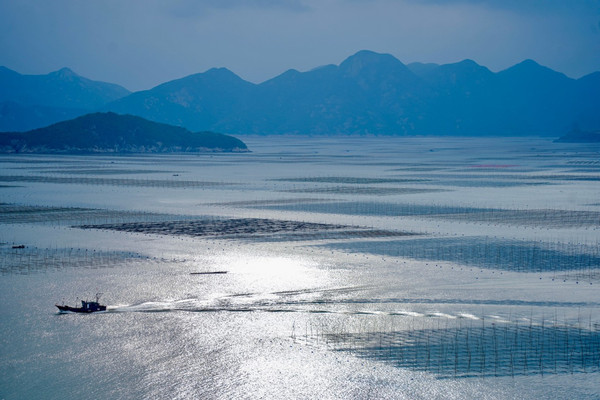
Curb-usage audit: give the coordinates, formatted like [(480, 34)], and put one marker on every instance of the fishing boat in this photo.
[(86, 306)]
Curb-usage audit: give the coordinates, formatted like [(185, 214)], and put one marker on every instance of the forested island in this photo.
[(114, 133)]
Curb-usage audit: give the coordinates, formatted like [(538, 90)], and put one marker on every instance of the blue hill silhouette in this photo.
[(110, 132), (33, 101), (371, 93), (368, 93)]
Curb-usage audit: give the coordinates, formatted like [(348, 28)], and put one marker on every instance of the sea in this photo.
[(309, 268)]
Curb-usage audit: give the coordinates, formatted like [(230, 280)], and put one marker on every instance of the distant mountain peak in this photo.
[(530, 69), (219, 71), (291, 71), (365, 58), (64, 73), (466, 66), (529, 62), (66, 70), (198, 83), (528, 65), (289, 74), (369, 54), (367, 62), (468, 62), (215, 74)]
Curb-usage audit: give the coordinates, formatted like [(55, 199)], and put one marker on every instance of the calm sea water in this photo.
[(356, 268)]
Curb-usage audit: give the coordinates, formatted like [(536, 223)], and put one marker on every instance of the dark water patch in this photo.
[(574, 260), (467, 174), (535, 217), (64, 216), (585, 170), (342, 234), (480, 178), (105, 171), (39, 159), (376, 209), (16, 214), (476, 349), (131, 182), (550, 218), (419, 169), (483, 183), (29, 260), (565, 177), (255, 203), (494, 171), (350, 180), (595, 163), (217, 227), (363, 190)]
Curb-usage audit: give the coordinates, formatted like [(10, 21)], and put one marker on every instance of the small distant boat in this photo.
[(86, 306)]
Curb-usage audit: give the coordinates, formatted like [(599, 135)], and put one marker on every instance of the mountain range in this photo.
[(368, 93), (33, 101)]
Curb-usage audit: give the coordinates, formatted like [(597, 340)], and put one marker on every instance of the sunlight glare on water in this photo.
[(271, 273), (392, 268)]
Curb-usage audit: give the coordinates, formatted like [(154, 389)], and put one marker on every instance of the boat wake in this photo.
[(308, 301), (339, 301)]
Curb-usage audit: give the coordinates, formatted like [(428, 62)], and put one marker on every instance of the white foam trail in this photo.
[(409, 313), (468, 316), (497, 318), (443, 315), (116, 307)]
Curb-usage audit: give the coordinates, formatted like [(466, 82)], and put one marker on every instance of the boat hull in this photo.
[(81, 309)]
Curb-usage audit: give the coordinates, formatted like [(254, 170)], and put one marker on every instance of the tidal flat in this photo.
[(322, 267)]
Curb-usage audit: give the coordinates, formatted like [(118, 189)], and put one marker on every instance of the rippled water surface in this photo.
[(309, 268)]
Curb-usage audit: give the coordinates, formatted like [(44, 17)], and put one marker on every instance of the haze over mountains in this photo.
[(33, 101), (368, 93)]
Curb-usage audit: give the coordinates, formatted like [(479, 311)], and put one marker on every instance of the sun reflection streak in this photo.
[(268, 273)]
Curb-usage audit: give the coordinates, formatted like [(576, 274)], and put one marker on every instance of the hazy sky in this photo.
[(141, 43)]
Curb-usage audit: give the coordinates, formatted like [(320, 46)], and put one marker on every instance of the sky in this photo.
[(142, 43)]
